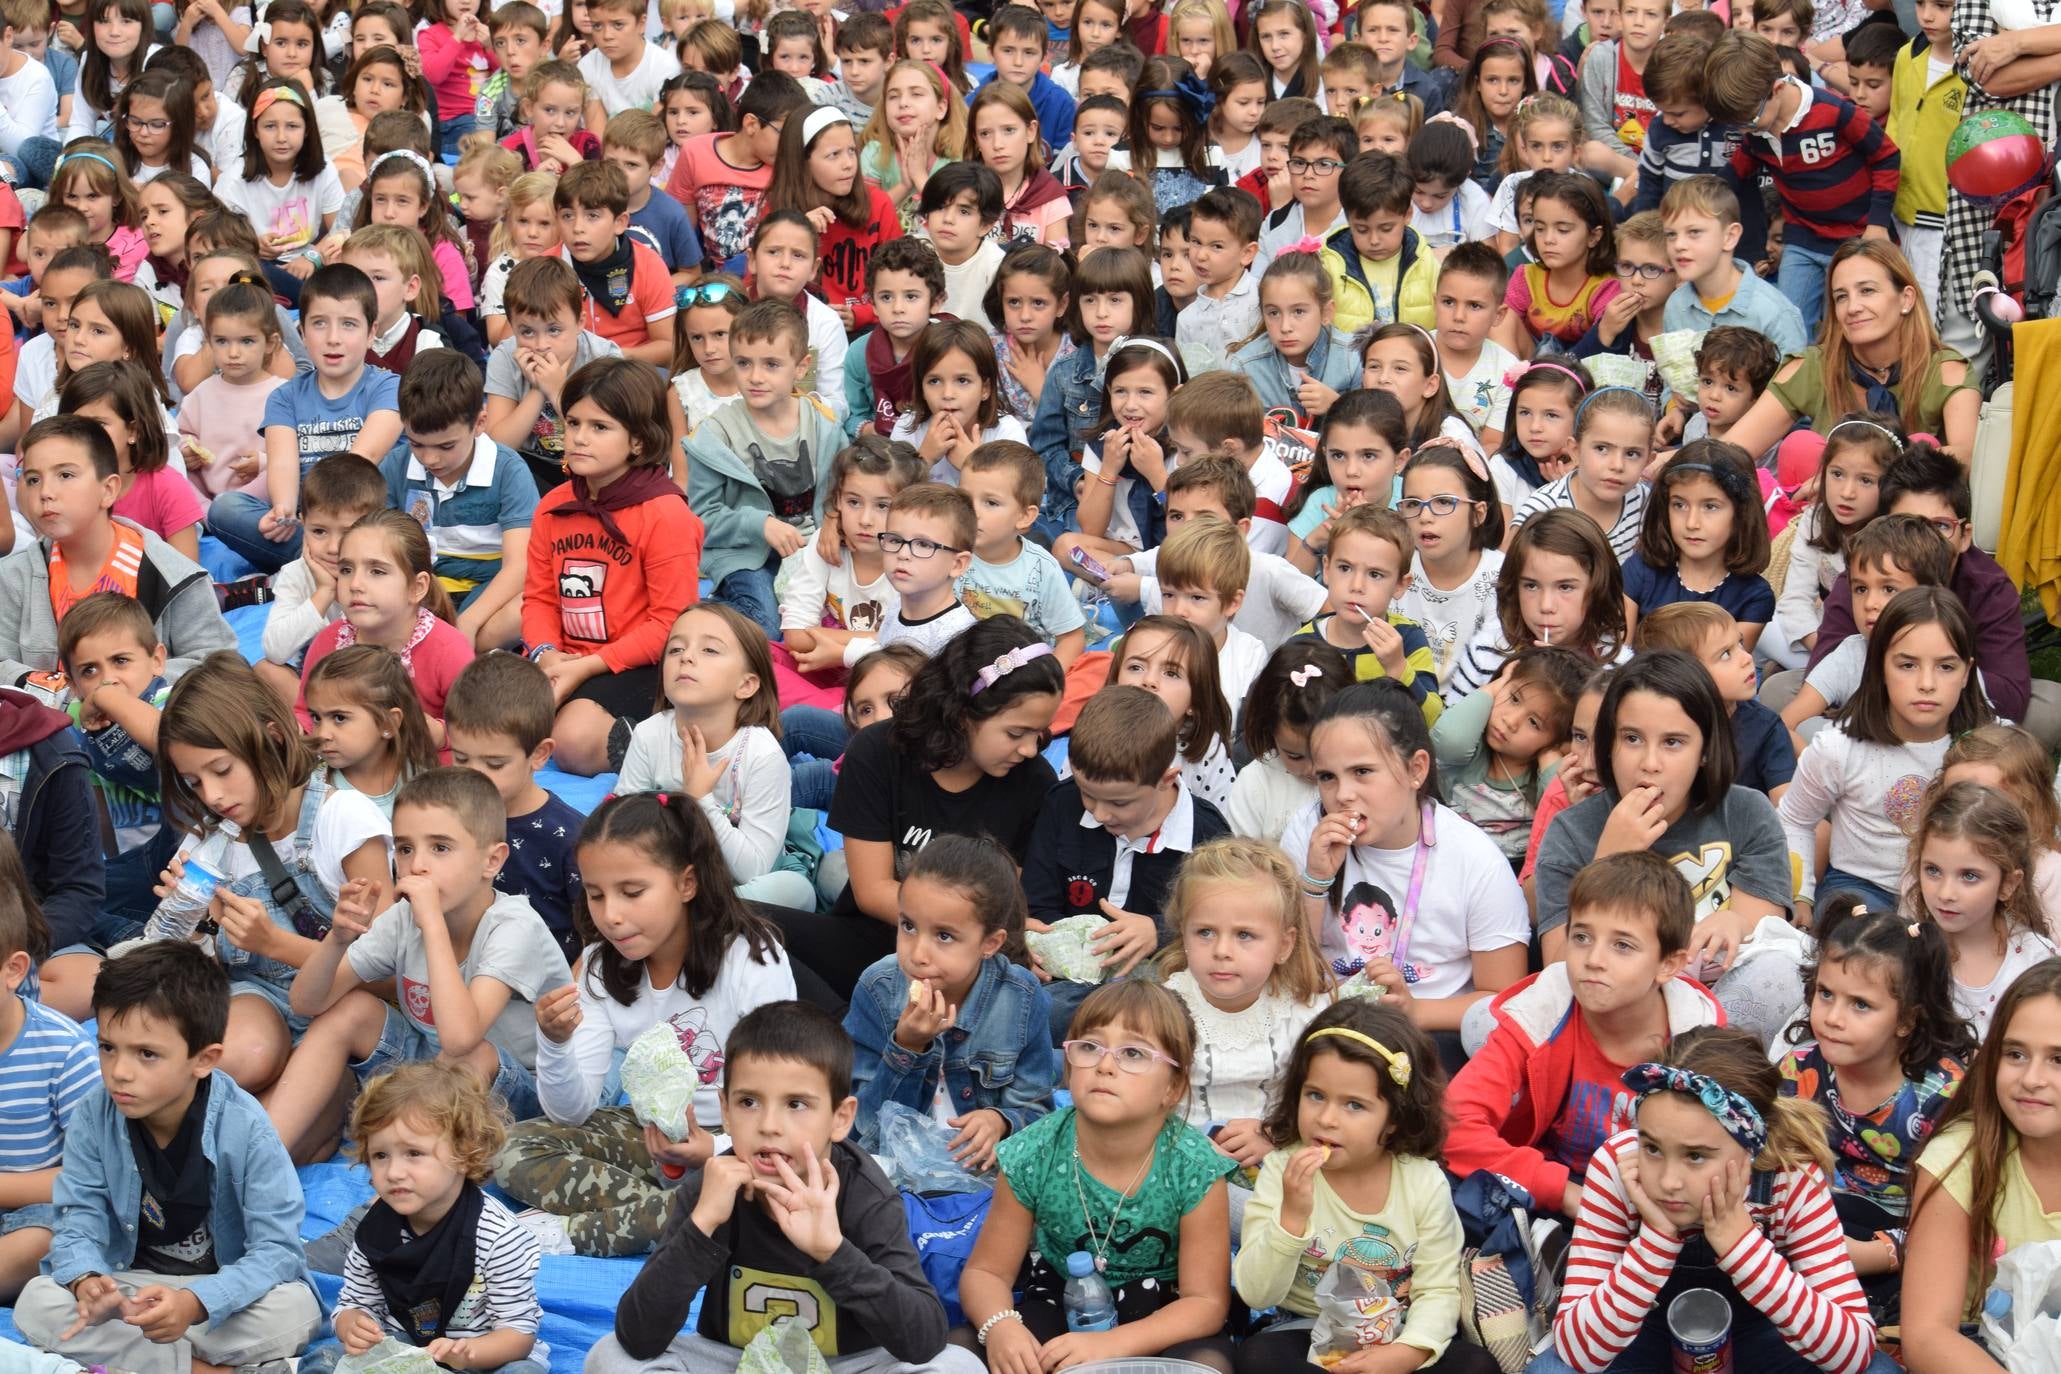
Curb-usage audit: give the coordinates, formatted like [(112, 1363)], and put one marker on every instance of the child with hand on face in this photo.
[(527, 371), (1366, 562), (1499, 748)]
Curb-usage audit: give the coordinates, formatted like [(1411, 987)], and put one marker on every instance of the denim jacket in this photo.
[(1067, 411), (1331, 361), (997, 1056), (255, 1215)]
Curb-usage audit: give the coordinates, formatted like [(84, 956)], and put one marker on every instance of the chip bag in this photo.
[(1356, 1308), (389, 1357), (666, 1066), (1063, 949), (782, 1348)]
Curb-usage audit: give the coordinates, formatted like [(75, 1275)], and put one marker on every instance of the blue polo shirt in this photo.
[(1755, 305), (465, 519)]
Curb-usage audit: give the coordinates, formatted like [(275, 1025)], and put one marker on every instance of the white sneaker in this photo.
[(549, 1229)]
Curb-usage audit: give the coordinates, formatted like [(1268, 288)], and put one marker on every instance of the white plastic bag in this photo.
[(782, 1348), (389, 1357), (1064, 951), (665, 1066), (917, 1153), (2021, 1320), (1356, 1308)]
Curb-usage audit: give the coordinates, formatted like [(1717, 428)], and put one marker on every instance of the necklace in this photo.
[(1102, 1242)]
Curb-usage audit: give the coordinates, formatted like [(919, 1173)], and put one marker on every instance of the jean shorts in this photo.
[(43, 1214), (401, 1042)]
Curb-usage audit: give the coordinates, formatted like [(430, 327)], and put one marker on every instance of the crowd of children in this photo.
[(1341, 645)]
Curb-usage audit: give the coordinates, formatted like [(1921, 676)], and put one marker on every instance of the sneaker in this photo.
[(248, 591), (327, 1252), (619, 742), (549, 1229)]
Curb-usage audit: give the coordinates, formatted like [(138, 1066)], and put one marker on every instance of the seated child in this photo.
[(337, 492), (830, 611), (1100, 123), (624, 69), (863, 51), (521, 35), (1468, 305), (723, 177), (111, 655), (1499, 748), (1203, 568), (211, 1260), (1381, 272), (628, 289), (220, 421), (1528, 1105), (1734, 364), (849, 1243), (1223, 240), (1708, 633), (1682, 141), (498, 721), (52, 229), (761, 470), (786, 258), (1316, 211), (528, 229), (467, 962), (961, 202), (428, 1132), (1714, 288), (388, 255), (906, 283), (1364, 565), (635, 141), (1220, 415), (927, 520), (527, 371), (549, 137), (1008, 574)]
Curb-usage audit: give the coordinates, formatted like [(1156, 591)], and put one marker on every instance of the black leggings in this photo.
[(1273, 1351)]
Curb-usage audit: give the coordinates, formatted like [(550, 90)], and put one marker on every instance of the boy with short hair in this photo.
[(1349, 73), (51, 1069), (521, 36), (906, 284), (1708, 633), (343, 405), (843, 1242), (1598, 25), (1733, 366), (1269, 183), (1387, 29), (1714, 288), (1112, 69), (337, 493), (31, 21), (552, 101), (1682, 142), (472, 496), (1323, 146), (1098, 127), (1835, 170), (933, 516), (1223, 239), (1543, 1092), (1366, 564), (468, 964), (1203, 566), (398, 332), (526, 372), (1220, 415), (1888, 555), (723, 177), (629, 292), (1381, 273), (51, 230), (865, 48), (624, 71), (1009, 575), (961, 202), (760, 471), (635, 141), (498, 720), (1468, 304), (1646, 281), (1926, 96), (69, 271), (1784, 22), (178, 1209), (1016, 43), (1179, 283), (116, 668), (1617, 110), (28, 94), (1871, 53)]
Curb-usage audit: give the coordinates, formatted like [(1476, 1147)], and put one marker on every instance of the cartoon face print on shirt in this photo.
[(702, 1049), (1369, 915), (1368, 1273), (581, 612)]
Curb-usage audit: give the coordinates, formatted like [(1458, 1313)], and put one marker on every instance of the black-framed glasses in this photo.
[(1323, 166), (918, 546), (1087, 1054), (1642, 271), (148, 126), (1443, 504)]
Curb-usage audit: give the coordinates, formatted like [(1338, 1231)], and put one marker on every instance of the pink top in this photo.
[(434, 656), (162, 501), (450, 260), (455, 71), (128, 249), (226, 420)]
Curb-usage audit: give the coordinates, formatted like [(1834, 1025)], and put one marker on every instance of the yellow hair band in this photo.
[(1398, 1064)]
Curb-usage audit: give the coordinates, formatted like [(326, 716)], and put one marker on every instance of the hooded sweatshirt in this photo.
[(1502, 1103), (723, 482), (46, 801)]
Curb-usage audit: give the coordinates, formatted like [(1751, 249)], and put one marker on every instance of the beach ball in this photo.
[(1995, 154)]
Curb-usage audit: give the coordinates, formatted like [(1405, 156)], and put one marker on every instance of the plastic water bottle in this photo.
[(204, 869), (1089, 1304)]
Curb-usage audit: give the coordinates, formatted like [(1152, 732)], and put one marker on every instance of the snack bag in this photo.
[(666, 1066), (1063, 949), (390, 1356), (782, 1348), (1356, 1308)]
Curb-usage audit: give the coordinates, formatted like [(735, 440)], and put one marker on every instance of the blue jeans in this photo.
[(814, 739), (1764, 1352), (750, 590), (1802, 279), (322, 1359), (35, 160), (284, 284), (1837, 880), (456, 127), (400, 1043), (233, 518)]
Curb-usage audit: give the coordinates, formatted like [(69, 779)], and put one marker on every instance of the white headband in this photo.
[(1122, 341), (1883, 430), (821, 118)]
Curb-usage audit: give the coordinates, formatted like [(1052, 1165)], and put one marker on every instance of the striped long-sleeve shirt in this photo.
[(1791, 1265), (503, 1294), (44, 1074), (1833, 166)]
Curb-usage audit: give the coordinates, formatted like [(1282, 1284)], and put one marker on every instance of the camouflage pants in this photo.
[(598, 1176)]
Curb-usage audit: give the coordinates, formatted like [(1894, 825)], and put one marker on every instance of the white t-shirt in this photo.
[(1470, 902), (1265, 798), (1870, 792), (1451, 619), (1502, 215), (1238, 663), (2023, 948), (908, 431), (966, 285), (225, 140), (1480, 394), (1464, 220), (511, 945), (145, 173), (347, 822), (1280, 598), (493, 285), (295, 210), (1512, 488), (35, 371), (750, 803), (28, 106), (637, 91)]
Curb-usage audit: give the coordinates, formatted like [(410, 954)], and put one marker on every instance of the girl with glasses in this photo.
[(1451, 508), (154, 127)]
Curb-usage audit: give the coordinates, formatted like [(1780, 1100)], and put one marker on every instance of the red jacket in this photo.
[(1501, 1104), (845, 251)]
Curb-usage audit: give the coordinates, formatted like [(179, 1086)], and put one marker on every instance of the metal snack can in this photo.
[(1699, 1326)]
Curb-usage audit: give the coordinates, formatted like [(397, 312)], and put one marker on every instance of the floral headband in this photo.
[(1740, 1118), (272, 95), (1398, 1060), (409, 155), (1005, 665), (1308, 243), (1476, 464), (1192, 91)]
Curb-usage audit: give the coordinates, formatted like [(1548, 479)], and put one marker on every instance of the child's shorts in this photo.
[(244, 985), (43, 1214), (402, 1042)]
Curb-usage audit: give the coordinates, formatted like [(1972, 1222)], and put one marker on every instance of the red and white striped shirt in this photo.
[(1792, 1266)]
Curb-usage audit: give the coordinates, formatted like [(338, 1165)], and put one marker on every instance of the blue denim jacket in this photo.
[(255, 1216), (1067, 411), (998, 1056)]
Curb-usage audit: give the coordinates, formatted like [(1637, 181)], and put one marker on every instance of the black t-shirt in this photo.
[(883, 796), (172, 1231), (1767, 758)]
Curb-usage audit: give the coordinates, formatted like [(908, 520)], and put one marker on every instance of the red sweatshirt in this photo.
[(846, 251), (590, 594)]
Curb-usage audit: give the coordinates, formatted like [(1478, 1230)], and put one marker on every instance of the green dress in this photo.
[(1804, 393)]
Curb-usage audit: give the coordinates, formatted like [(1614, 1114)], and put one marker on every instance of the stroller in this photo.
[(2018, 272)]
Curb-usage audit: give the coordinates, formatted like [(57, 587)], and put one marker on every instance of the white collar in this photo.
[(480, 472), (382, 343), (1176, 832), (1803, 106)]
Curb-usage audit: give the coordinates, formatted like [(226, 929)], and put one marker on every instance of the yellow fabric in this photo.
[(1921, 120), (1416, 293), (2030, 546), (2018, 1215)]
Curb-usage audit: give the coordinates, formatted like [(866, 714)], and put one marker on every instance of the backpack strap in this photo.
[(286, 893)]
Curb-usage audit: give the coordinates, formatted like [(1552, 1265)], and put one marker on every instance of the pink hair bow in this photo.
[(1308, 243), (1303, 676)]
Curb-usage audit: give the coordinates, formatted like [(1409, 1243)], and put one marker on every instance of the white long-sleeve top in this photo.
[(569, 1076), (1811, 574), (1871, 794), (294, 621), (827, 340), (749, 805), (1791, 1265), (28, 106)]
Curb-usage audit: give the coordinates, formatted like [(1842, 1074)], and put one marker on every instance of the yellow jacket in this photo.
[(1921, 119), (1353, 298)]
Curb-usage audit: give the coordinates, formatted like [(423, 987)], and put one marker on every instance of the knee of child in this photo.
[(67, 984)]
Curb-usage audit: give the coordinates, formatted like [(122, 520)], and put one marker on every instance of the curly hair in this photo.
[(1416, 1122), (940, 707), (447, 1099)]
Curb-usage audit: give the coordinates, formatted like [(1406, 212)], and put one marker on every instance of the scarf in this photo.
[(607, 282), (178, 1189), (424, 1278), (633, 488), (347, 635), (1880, 397), (893, 382), (1040, 188)]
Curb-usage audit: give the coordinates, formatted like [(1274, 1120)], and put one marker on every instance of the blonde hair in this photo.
[(1644, 227), (447, 1099), (1206, 552), (1400, 108), (1260, 869), (951, 134), (1214, 13), (494, 165), (410, 252), (531, 188), (2027, 773)]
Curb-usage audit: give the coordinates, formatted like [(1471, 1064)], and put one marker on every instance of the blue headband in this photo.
[(1605, 391), (1740, 1118), (85, 157)]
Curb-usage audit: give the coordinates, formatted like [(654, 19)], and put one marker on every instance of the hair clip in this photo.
[(663, 798), (1005, 665), (1305, 675), (1912, 930), (1883, 430), (84, 157)]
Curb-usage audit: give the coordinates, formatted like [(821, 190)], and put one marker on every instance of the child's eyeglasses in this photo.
[(708, 293), (147, 126), (1641, 271), (1409, 507), (1087, 1054), (918, 547), (1323, 166)]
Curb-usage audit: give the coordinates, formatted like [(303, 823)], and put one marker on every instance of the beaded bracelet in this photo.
[(1006, 1314)]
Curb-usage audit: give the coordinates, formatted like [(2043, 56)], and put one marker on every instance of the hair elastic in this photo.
[(1605, 391), (1398, 1061), (420, 163), (821, 118), (1741, 1119), (1005, 665), (1308, 243), (1122, 341), (1882, 430)]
